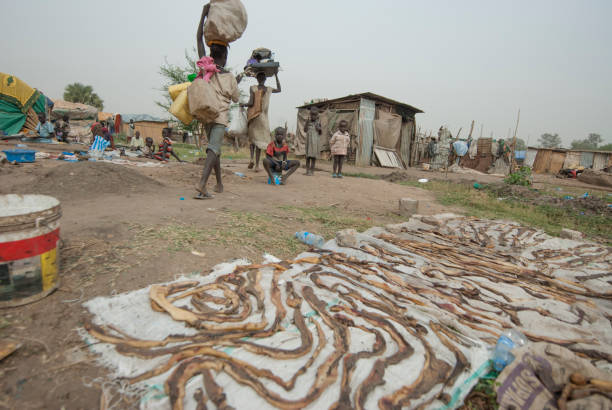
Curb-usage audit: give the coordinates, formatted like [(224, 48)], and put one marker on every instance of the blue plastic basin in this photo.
[(20, 155)]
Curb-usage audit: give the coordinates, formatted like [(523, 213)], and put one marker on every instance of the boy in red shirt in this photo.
[(276, 157)]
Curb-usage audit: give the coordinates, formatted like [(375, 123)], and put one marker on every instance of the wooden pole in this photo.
[(471, 130), (458, 133), (513, 163)]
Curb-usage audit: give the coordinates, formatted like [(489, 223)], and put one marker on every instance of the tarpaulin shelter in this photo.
[(19, 105), (148, 125), (382, 130)]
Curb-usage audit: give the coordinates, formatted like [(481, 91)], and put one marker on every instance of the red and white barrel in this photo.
[(29, 254)]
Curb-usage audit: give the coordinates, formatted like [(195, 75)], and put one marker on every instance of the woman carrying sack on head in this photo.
[(221, 81)]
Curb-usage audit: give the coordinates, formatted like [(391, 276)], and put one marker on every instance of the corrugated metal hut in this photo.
[(148, 125), (383, 131), (552, 160)]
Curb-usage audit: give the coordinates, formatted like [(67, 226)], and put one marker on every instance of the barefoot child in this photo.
[(313, 135), (339, 146), (276, 157)]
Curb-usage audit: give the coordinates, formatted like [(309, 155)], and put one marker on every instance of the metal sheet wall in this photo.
[(542, 161), (367, 113), (572, 160), (600, 161), (406, 142), (530, 157), (586, 159)]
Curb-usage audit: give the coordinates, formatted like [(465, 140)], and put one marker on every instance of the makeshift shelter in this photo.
[(552, 160), (148, 125), (19, 105), (383, 131)]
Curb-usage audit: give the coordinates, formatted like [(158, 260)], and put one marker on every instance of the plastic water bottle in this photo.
[(506, 342), (310, 239)]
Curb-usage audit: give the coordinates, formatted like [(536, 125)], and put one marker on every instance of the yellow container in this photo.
[(180, 108), (176, 90)]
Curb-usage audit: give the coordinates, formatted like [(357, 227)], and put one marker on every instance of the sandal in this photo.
[(251, 165), (202, 196)]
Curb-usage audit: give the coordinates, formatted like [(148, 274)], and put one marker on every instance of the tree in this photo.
[(590, 142), (521, 145), (79, 93), (173, 75), (550, 141), (607, 147)]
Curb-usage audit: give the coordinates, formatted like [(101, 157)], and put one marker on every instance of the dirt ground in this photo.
[(127, 227)]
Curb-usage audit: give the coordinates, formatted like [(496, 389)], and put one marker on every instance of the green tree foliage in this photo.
[(521, 145), (590, 142), (607, 147), (84, 94), (174, 74), (550, 141)]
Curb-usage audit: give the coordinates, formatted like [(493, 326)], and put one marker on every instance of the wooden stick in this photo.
[(471, 130), (513, 161)]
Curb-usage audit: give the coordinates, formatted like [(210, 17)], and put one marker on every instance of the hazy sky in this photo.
[(456, 60)]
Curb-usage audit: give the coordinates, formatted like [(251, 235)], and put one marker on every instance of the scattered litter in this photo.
[(568, 197), (21, 146), (585, 195), (200, 254), (240, 174), (477, 185), (7, 348), (423, 180), (182, 198), (42, 155)]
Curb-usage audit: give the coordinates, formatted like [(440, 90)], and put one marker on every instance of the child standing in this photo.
[(313, 135), (339, 146)]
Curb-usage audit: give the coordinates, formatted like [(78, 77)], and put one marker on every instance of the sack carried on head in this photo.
[(203, 100), (226, 22)]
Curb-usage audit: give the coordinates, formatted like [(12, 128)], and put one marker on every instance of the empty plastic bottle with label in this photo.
[(506, 342), (310, 239)]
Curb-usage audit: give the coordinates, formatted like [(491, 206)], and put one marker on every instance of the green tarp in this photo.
[(11, 117)]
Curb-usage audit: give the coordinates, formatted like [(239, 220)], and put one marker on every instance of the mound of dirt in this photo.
[(398, 176), (591, 205), (90, 179)]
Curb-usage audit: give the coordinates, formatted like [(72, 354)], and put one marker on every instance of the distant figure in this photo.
[(107, 135), (313, 135), (257, 117), (44, 129), (185, 137), (339, 143), (137, 143), (165, 148), (276, 157), (131, 128), (149, 149), (62, 129)]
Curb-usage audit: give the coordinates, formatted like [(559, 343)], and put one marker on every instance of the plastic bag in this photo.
[(226, 22), (238, 120), (203, 100), (180, 108), (175, 90)]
